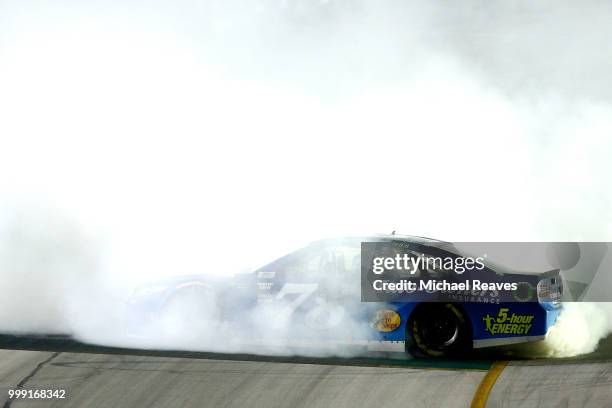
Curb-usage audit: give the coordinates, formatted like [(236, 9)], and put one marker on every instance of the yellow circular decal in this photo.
[(385, 320)]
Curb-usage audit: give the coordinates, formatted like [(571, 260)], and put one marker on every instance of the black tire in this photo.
[(438, 330)]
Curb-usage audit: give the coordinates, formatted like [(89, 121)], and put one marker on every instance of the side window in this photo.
[(434, 267), (306, 266), (414, 268), (347, 260), (342, 282)]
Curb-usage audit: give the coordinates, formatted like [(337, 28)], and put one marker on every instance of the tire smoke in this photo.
[(211, 138)]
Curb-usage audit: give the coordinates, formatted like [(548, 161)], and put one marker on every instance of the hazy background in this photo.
[(148, 139)]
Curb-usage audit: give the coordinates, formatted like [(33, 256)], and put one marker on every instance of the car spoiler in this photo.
[(550, 274)]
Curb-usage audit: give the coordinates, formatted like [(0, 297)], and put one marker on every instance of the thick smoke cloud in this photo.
[(210, 137)]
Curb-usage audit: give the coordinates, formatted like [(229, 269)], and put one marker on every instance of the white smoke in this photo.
[(213, 137), (579, 329)]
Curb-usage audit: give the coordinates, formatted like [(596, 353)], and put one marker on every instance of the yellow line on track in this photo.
[(486, 385)]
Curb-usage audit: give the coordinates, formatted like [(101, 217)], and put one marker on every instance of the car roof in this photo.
[(388, 237)]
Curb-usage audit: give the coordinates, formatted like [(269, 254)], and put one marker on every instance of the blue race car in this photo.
[(313, 294)]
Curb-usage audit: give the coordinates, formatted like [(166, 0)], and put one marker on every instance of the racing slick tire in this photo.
[(438, 330)]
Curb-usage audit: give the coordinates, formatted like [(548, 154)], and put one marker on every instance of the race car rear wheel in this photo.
[(438, 330)]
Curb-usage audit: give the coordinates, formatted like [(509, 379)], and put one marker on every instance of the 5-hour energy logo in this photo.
[(508, 324)]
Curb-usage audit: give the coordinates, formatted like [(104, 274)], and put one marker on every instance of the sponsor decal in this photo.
[(266, 275), (524, 292), (505, 323), (475, 296), (385, 320)]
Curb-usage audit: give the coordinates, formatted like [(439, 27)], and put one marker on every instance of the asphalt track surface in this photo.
[(115, 377)]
